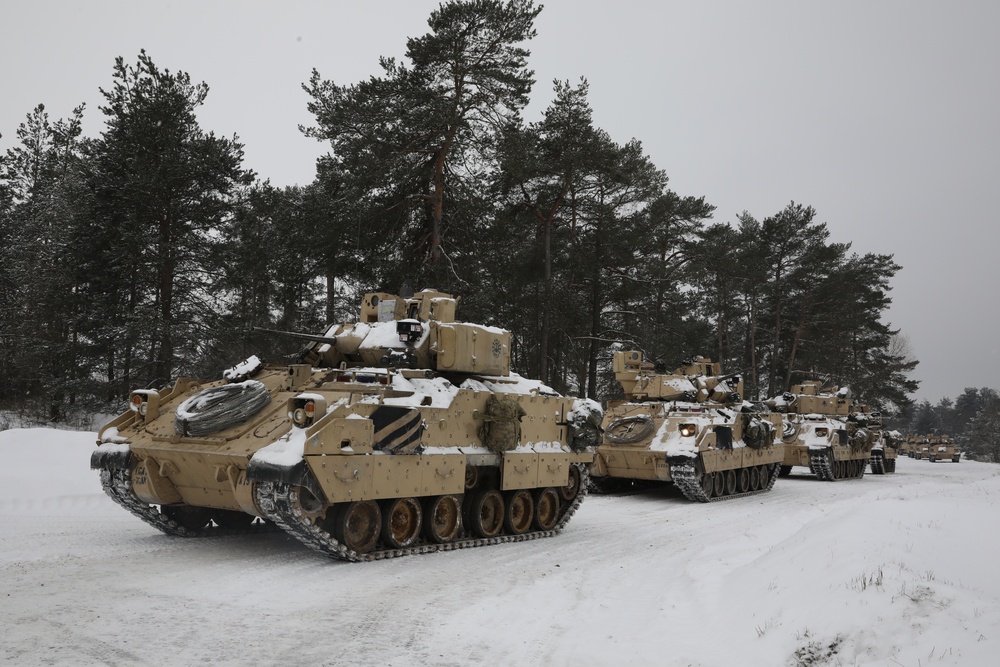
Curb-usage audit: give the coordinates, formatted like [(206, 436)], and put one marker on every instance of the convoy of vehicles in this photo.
[(406, 432)]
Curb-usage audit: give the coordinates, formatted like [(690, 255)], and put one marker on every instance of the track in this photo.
[(820, 465), (881, 465), (685, 476), (278, 502), (117, 483)]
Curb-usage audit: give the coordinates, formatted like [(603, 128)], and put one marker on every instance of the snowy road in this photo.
[(887, 570)]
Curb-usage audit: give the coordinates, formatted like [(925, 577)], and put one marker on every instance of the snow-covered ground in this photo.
[(888, 570)]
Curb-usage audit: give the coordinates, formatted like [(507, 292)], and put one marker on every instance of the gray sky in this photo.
[(882, 115)]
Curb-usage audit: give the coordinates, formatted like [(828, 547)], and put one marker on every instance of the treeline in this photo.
[(149, 252), (973, 419)]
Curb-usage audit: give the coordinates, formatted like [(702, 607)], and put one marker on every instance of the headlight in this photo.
[(135, 403), (821, 432), (304, 414), (687, 430), (304, 411)]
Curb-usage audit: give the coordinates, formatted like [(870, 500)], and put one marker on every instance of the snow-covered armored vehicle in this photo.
[(404, 432), (823, 431), (885, 448), (907, 444), (931, 444), (690, 427), (944, 449)]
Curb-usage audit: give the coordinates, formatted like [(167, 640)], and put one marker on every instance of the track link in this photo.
[(117, 483), (878, 463), (820, 465), (278, 501), (685, 476)]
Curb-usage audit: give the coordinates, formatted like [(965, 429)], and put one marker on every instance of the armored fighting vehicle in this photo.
[(885, 450), (404, 432), (690, 427), (945, 449), (930, 445), (823, 431), (906, 445)]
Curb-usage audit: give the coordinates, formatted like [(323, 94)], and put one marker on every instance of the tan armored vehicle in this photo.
[(920, 445), (402, 433), (945, 449), (885, 449), (824, 431), (690, 427), (907, 444), (931, 445)]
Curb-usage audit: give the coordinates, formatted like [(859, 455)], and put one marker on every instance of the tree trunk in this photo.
[(543, 342)]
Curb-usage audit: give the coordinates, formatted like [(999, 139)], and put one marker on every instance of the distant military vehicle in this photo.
[(931, 444), (907, 444), (824, 431), (944, 449), (404, 432), (690, 427)]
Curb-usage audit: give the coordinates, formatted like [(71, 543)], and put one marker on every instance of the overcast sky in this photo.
[(882, 115)]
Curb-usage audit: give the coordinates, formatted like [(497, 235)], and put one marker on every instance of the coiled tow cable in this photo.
[(218, 408), (627, 430)]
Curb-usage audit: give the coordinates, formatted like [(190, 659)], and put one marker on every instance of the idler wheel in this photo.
[(572, 488), (401, 521), (232, 519), (188, 516), (358, 524), (485, 518), (442, 518), (519, 511), (546, 509)]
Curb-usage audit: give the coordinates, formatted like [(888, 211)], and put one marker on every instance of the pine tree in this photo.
[(414, 143), (163, 186)]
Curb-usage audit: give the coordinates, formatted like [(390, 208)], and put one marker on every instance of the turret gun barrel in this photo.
[(316, 338)]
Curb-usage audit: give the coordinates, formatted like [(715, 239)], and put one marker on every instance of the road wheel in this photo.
[(518, 512), (730, 482), (708, 484), (485, 517), (546, 509), (743, 480), (719, 488), (401, 521), (358, 524), (755, 478), (442, 518), (572, 488)]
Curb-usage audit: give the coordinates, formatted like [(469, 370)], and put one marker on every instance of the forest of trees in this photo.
[(149, 251)]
